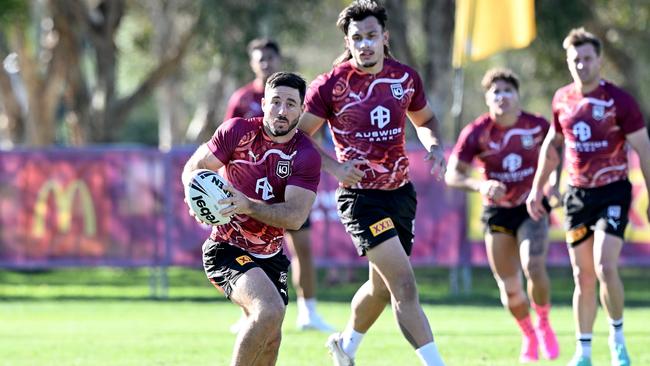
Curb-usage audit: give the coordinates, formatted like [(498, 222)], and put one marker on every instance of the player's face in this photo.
[(282, 110), (264, 62), (584, 63), (502, 98), (365, 40)]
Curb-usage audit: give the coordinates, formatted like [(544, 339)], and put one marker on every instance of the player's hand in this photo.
[(348, 173), (493, 189), (439, 166), (237, 204), (534, 204)]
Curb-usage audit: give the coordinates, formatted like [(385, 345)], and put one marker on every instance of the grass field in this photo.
[(105, 317)]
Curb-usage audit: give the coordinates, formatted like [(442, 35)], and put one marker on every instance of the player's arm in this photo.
[(427, 128), (346, 173), (458, 176), (641, 144), (202, 158), (548, 161), (290, 214)]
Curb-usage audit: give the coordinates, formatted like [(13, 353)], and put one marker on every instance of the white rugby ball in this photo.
[(203, 193)]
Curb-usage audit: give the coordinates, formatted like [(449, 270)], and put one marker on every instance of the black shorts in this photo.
[(224, 264), (372, 216), (507, 220), (600, 208)]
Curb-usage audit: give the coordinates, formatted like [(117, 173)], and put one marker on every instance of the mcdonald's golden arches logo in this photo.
[(64, 198)]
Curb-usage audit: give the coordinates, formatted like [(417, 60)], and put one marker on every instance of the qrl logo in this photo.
[(512, 162), (64, 197), (380, 116), (582, 131)]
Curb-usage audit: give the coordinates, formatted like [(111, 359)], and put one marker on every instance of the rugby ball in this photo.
[(203, 193)]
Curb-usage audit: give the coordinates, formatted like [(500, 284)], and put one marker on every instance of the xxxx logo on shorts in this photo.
[(576, 234), (243, 259), (381, 226)]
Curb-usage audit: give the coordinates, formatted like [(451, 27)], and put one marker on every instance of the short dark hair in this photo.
[(288, 79), (579, 36), (499, 73), (262, 43), (357, 11)]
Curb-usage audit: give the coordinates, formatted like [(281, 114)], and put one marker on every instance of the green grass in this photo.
[(105, 317)]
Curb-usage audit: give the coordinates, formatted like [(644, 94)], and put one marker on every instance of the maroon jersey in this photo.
[(594, 128), (366, 114), (261, 169), (507, 154), (246, 102)]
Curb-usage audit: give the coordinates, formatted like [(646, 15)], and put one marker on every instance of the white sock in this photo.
[(429, 355), (583, 345), (616, 331), (306, 307), (350, 341)]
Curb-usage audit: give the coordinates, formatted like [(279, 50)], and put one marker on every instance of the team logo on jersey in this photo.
[(598, 112), (582, 131), (511, 162), (380, 116), (283, 169), (243, 259), (283, 278), (262, 185), (397, 90), (381, 226), (527, 141)]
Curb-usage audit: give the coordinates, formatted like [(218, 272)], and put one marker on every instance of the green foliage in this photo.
[(13, 11), (142, 125), (230, 24)]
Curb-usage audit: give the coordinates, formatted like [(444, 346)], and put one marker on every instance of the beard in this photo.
[(280, 132)]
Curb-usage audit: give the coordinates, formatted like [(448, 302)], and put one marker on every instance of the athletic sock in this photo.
[(542, 312), (306, 307), (429, 355), (583, 345), (526, 326), (616, 331), (350, 341)]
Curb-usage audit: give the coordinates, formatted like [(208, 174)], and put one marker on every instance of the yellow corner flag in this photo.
[(485, 27)]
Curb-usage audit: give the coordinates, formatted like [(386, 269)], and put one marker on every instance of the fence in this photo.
[(124, 207)]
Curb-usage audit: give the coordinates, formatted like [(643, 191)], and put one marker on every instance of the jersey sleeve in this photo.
[(419, 99), (628, 114), (317, 98), (232, 109), (225, 140), (467, 144), (306, 169)]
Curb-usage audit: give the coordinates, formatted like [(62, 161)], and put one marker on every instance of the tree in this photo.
[(50, 67)]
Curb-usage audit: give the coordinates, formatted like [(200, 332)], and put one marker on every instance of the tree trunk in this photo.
[(438, 20)]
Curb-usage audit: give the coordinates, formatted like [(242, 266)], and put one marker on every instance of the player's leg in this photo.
[(503, 256), (585, 305), (255, 285), (533, 238), (368, 303), (607, 249), (258, 340), (303, 277), (392, 264)]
